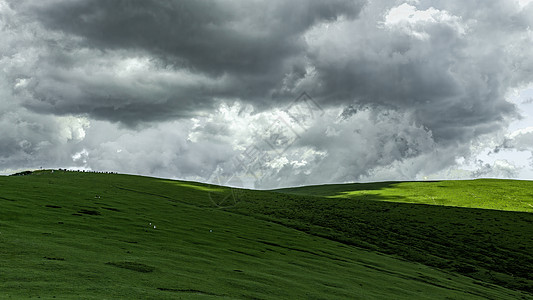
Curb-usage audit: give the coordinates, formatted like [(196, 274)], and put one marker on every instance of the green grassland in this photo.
[(88, 236), (512, 195)]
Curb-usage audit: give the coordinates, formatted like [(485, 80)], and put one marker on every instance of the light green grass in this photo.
[(87, 236), (511, 195)]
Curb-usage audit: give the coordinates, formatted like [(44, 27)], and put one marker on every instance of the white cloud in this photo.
[(523, 3), (408, 18), (522, 131), (81, 156), (409, 13), (73, 128)]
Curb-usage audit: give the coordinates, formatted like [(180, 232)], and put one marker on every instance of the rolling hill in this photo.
[(96, 236)]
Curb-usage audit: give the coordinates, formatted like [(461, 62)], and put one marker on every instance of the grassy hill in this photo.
[(511, 195), (97, 236)]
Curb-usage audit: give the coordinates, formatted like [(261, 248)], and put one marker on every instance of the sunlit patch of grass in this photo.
[(510, 195), (203, 188)]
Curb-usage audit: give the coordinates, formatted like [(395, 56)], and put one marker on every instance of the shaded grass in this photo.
[(134, 266), (489, 245)]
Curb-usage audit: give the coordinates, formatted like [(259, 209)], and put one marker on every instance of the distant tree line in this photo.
[(87, 171), (23, 173)]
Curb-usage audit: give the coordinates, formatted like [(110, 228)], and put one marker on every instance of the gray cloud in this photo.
[(521, 140), (263, 52), (411, 92), (160, 150), (30, 140), (528, 101), (452, 69), (328, 147), (499, 169), (205, 49)]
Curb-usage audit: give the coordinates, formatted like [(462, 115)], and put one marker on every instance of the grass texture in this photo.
[(109, 236)]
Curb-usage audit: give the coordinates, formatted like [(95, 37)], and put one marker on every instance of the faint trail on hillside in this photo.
[(157, 195), (7, 199)]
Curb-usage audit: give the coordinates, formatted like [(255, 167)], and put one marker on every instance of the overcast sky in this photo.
[(268, 93)]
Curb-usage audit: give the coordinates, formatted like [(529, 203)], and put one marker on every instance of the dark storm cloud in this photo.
[(209, 36), (453, 70), (231, 49)]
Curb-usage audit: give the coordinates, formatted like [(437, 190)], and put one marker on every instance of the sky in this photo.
[(269, 93)]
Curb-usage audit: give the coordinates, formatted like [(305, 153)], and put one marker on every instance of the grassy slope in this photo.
[(492, 245), (57, 239), (511, 195)]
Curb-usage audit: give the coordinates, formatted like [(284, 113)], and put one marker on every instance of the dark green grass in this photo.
[(87, 236), (493, 246)]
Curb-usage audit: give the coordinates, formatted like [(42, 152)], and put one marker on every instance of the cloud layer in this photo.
[(181, 88)]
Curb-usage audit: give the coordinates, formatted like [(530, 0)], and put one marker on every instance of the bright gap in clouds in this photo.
[(523, 3)]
